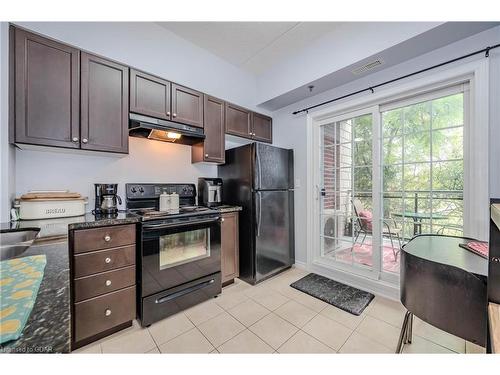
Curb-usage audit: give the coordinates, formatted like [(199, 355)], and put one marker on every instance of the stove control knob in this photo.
[(133, 190), (141, 190)]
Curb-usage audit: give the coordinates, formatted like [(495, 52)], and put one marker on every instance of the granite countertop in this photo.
[(228, 208), (48, 327), (92, 221)]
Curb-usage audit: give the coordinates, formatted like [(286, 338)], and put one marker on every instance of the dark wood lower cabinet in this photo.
[(103, 282), (230, 252), (212, 149)]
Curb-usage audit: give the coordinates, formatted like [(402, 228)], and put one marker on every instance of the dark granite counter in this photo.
[(92, 221), (226, 209), (48, 327)]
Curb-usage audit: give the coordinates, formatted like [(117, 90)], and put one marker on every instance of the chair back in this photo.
[(358, 207)]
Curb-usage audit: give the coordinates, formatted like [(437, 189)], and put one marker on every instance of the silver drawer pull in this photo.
[(107, 238), (221, 219), (107, 260), (174, 114), (107, 312), (108, 282)]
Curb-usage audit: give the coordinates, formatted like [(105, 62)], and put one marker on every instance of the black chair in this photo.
[(365, 226)]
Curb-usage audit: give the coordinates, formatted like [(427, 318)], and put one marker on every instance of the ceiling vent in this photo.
[(371, 65)]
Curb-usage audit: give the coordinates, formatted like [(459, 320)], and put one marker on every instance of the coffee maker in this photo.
[(209, 191), (106, 199)]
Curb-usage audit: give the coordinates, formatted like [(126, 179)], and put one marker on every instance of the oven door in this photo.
[(179, 251)]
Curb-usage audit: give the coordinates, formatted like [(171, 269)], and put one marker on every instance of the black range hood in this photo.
[(164, 130)]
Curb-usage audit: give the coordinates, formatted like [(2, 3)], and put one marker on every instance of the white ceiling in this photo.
[(252, 46)]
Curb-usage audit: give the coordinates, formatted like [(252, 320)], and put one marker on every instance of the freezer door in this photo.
[(274, 245), (273, 168)]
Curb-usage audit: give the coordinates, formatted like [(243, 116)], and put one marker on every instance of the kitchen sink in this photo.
[(16, 242)]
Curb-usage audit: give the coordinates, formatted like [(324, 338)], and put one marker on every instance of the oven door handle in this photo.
[(178, 225), (184, 292)]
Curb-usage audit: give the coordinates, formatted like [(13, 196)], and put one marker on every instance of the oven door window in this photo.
[(184, 247)]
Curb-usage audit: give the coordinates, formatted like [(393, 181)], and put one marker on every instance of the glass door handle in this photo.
[(323, 192)]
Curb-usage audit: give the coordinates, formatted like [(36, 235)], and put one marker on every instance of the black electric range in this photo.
[(180, 251)]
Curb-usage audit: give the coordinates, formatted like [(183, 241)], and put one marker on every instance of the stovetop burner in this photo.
[(153, 214), (143, 200)]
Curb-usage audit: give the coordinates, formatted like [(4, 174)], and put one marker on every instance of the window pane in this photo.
[(448, 144), (448, 111), (363, 153), (392, 123), (417, 147), (363, 128), (393, 178), (417, 176), (392, 150), (417, 117), (363, 179), (448, 175)]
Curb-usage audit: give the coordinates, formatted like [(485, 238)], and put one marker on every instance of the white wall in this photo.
[(147, 161), (290, 130), (145, 46)]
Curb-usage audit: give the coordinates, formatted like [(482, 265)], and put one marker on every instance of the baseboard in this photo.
[(300, 265)]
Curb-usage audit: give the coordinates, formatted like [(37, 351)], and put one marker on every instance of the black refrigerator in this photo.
[(259, 178)]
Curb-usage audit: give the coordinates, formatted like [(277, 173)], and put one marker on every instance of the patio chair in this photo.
[(365, 225)]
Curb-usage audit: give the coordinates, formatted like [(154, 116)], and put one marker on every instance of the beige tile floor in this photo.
[(272, 317)]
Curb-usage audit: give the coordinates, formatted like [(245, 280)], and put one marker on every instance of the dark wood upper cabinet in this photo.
[(187, 105), (104, 104), (212, 149), (238, 121), (45, 77), (262, 128), (149, 95)]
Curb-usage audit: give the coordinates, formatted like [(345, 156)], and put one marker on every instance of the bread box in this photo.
[(48, 205)]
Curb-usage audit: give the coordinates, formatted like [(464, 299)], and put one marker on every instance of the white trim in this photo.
[(476, 73), (300, 265)]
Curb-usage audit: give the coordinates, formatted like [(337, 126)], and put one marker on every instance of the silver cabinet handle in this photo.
[(107, 312), (75, 139), (107, 238), (107, 260), (168, 113), (206, 155), (108, 282), (221, 219), (85, 140), (174, 114)]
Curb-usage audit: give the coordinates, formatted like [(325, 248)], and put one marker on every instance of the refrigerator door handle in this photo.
[(259, 172), (259, 215)]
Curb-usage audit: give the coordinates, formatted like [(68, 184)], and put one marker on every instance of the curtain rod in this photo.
[(371, 88)]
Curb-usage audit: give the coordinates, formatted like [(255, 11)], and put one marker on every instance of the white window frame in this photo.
[(476, 161)]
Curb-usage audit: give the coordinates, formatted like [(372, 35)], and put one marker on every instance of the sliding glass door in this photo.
[(346, 192), (387, 173)]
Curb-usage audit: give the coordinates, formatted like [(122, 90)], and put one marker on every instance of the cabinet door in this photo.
[(238, 121), (104, 104), (262, 128), (230, 247), (149, 95), (47, 96), (187, 106), (213, 146)]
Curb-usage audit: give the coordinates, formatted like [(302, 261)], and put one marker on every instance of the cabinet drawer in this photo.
[(102, 313), (103, 238), (103, 260), (95, 285)]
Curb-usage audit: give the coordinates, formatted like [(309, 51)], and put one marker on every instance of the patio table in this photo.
[(418, 217)]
